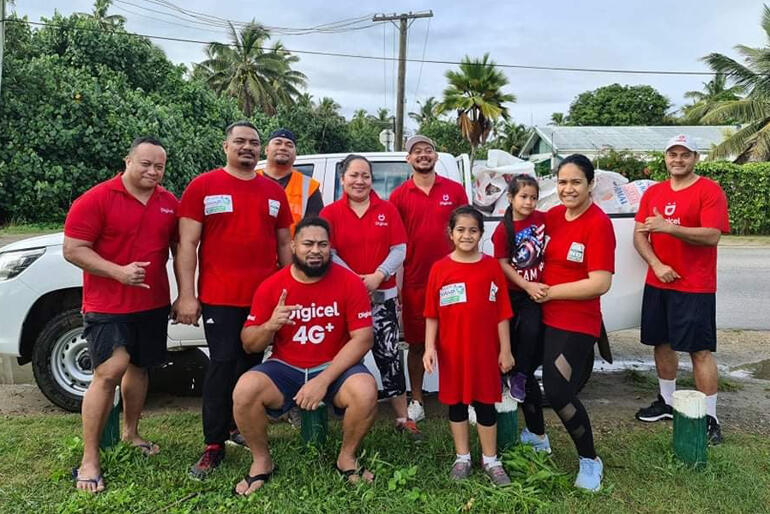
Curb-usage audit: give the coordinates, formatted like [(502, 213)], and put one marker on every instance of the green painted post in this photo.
[(314, 425), (690, 437), (111, 430), (507, 424)]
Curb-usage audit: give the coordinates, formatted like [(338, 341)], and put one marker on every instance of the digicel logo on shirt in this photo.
[(445, 200)]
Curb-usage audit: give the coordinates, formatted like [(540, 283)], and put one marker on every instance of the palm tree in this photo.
[(714, 92), (427, 111), (475, 92), (383, 119), (257, 77), (328, 107), (512, 136), (751, 142), (558, 119), (99, 14)]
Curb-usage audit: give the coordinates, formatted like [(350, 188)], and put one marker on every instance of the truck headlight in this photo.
[(14, 262)]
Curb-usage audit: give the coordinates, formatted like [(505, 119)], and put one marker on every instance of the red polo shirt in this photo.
[(238, 248), (363, 243), (426, 218), (123, 230)]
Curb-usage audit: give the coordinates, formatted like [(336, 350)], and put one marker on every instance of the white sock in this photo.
[(463, 458), (711, 406), (667, 388), (489, 461), (401, 420)]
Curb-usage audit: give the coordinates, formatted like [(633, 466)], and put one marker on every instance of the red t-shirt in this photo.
[(332, 308), (573, 249), (702, 204), (238, 248), (426, 218), (363, 243), (527, 260), (123, 230), (469, 300)]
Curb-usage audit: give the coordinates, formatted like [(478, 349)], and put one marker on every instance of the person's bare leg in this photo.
[(399, 405), (358, 396), (488, 439), (460, 436), (666, 361), (416, 370), (96, 406), (133, 387), (704, 369), (253, 394)]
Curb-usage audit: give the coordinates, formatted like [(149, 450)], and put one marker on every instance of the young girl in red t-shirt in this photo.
[(466, 302)]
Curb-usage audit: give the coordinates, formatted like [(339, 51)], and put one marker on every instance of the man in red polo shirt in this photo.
[(678, 227), (119, 233), (425, 202), (241, 222)]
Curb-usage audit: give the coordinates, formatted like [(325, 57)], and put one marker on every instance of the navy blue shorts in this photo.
[(686, 321), (289, 380)]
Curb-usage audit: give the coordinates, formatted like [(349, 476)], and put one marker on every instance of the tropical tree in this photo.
[(427, 111), (714, 92), (100, 16), (616, 105), (328, 107), (475, 92), (257, 77), (751, 142), (558, 119), (383, 119), (512, 136)]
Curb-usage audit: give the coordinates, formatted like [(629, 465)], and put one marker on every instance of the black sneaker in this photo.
[(211, 458), (657, 411), (714, 431)]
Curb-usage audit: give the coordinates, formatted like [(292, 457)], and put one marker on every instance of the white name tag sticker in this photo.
[(492, 292), (217, 204), (273, 206), (576, 252), (452, 293)]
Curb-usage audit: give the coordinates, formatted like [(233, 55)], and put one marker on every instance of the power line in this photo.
[(377, 58)]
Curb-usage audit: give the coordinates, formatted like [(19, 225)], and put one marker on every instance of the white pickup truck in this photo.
[(40, 292)]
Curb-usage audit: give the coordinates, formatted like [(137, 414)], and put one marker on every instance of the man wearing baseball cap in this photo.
[(678, 227), (425, 202), (303, 192)]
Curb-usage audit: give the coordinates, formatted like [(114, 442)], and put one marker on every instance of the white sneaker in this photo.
[(415, 411)]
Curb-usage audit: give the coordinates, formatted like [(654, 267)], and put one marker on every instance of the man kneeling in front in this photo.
[(317, 315)]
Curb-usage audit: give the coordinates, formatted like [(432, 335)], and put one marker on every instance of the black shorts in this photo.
[(289, 380), (686, 321), (222, 325), (143, 334)]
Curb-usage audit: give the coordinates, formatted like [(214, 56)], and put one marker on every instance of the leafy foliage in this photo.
[(624, 163), (617, 105), (714, 93), (446, 135)]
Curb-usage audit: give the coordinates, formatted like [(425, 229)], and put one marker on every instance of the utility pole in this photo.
[(2, 45), (405, 21)]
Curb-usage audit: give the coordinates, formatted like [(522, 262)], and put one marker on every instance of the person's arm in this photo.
[(314, 390), (338, 260), (284, 246), (597, 283), (700, 236), (387, 267), (505, 359), (430, 356), (187, 308), (255, 338), (81, 253), (664, 272)]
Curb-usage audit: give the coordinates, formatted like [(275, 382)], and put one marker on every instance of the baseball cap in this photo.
[(682, 140), (284, 133), (418, 139)]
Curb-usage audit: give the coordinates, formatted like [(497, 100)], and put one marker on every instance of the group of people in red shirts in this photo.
[(324, 293)]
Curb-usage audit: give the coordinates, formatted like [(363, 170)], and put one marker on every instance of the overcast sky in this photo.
[(638, 35)]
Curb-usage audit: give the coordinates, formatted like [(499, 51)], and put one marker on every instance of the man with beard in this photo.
[(241, 221), (302, 191), (318, 318), (119, 233), (425, 202)]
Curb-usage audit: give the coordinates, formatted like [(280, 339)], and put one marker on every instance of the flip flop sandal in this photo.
[(147, 448), (358, 471), (264, 477), (95, 481)]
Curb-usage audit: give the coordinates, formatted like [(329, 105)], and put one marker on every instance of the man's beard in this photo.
[(311, 271), (424, 171)]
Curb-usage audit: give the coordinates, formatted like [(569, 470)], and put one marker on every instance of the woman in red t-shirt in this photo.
[(579, 263), (369, 238), (466, 303)]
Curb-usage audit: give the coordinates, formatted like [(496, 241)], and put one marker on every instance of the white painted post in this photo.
[(690, 436)]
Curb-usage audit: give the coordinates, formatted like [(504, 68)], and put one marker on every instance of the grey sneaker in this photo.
[(461, 470), (497, 474), (236, 439), (294, 416)]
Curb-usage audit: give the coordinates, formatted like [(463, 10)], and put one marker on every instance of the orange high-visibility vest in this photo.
[(298, 192)]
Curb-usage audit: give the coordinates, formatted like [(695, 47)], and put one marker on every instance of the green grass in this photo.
[(648, 381), (29, 228), (641, 474)]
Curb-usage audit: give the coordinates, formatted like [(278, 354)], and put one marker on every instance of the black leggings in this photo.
[(565, 357), (486, 416)]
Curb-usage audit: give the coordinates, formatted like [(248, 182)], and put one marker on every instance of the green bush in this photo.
[(624, 163), (747, 187)]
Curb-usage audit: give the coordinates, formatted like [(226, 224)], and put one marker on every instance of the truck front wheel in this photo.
[(61, 362)]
